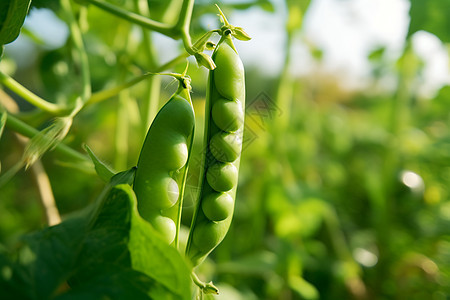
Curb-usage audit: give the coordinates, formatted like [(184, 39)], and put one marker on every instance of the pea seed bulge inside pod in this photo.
[(178, 116), (208, 234), (163, 193), (222, 177), (165, 226), (217, 206), (228, 115), (168, 151), (229, 72), (226, 147)]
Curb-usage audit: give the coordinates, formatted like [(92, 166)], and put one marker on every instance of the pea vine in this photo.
[(123, 245)]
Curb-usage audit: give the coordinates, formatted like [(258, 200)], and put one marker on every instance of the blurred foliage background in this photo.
[(343, 191)]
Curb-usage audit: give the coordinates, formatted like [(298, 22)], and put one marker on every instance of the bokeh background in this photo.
[(343, 190)]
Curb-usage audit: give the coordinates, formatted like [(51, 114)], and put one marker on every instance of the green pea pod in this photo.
[(224, 126), (163, 164)]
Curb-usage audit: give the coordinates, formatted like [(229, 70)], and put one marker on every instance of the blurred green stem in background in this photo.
[(151, 101), (122, 126), (80, 55), (381, 182), (179, 30), (30, 97)]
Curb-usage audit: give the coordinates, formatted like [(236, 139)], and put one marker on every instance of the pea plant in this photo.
[(127, 244)]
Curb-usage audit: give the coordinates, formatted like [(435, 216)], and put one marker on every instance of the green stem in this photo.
[(24, 129), (151, 101), (114, 91), (336, 236), (206, 288), (137, 19), (183, 24), (30, 97), (284, 101), (122, 124), (285, 87), (121, 136), (177, 60), (108, 93), (77, 39), (180, 29)]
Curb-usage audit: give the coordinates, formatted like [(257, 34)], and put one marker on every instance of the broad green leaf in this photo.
[(11, 284), (115, 282), (50, 4), (432, 16), (12, 16), (104, 251), (132, 242), (53, 252), (103, 171), (295, 17), (152, 256)]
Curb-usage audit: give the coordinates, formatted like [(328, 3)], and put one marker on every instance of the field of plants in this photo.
[(185, 149)]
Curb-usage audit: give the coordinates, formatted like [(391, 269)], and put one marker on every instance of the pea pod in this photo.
[(163, 163), (224, 117)]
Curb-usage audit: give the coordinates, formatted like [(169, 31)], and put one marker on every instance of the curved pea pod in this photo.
[(162, 165), (224, 125)]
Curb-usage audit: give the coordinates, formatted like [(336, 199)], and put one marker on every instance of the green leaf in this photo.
[(132, 242), (50, 4), (12, 16), (132, 285), (10, 285), (104, 251), (115, 282), (103, 171), (432, 16), (151, 255)]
